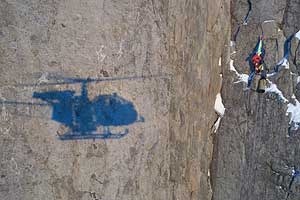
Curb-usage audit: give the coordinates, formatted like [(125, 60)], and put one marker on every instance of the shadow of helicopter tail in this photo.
[(93, 135)]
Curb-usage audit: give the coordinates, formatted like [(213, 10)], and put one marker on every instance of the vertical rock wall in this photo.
[(198, 37), (253, 158), (172, 49)]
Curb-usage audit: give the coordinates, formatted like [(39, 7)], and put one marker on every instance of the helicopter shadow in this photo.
[(82, 116)]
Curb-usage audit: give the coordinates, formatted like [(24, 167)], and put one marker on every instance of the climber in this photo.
[(257, 65)]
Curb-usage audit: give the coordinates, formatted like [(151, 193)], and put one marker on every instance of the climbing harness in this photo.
[(257, 65)]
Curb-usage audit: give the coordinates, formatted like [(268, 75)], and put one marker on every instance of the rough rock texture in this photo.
[(253, 157), (165, 157)]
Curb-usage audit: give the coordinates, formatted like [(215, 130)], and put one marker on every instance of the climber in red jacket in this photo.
[(257, 65)]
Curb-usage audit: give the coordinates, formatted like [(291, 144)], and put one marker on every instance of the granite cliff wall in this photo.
[(70, 67), (253, 157)]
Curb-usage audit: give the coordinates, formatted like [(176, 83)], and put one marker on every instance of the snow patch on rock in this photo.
[(241, 77), (297, 35), (220, 110), (274, 89), (294, 111), (219, 106)]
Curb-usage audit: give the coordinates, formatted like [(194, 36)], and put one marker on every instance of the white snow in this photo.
[(219, 107), (220, 110), (271, 74), (273, 89), (284, 62), (298, 79), (293, 74), (241, 77), (297, 35), (232, 43), (268, 21), (294, 110), (217, 124), (232, 68), (220, 61)]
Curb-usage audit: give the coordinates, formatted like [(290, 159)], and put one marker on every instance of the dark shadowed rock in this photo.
[(171, 47)]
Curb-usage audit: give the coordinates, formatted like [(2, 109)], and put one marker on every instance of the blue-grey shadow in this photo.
[(82, 116)]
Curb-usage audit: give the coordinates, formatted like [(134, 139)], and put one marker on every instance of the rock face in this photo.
[(169, 49), (253, 158)]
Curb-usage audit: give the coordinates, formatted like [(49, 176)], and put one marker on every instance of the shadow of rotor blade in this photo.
[(67, 80), (15, 103), (45, 84), (115, 78), (24, 115)]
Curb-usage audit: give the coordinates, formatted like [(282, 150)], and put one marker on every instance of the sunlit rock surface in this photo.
[(170, 49)]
